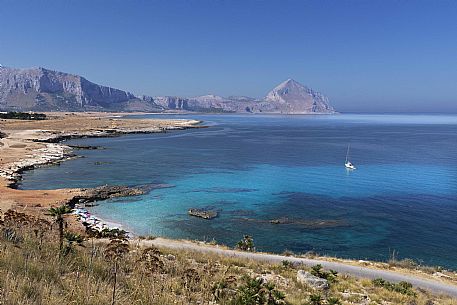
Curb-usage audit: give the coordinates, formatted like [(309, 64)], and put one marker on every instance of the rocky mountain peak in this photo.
[(289, 82), (288, 87), (41, 89), (293, 97)]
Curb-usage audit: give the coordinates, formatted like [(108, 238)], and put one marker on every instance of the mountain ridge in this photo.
[(41, 89)]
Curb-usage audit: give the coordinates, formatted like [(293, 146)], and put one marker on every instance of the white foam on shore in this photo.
[(96, 223)]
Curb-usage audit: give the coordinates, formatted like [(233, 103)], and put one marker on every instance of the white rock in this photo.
[(307, 278)]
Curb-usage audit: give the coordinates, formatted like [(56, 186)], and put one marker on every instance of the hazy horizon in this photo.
[(368, 57)]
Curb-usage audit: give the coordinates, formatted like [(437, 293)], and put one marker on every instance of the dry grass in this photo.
[(405, 266), (31, 272)]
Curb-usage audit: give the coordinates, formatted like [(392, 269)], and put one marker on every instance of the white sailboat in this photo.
[(348, 163)]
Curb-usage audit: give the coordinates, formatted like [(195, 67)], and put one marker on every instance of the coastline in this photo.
[(43, 147), (25, 145)]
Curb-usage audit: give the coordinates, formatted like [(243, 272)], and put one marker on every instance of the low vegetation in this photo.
[(330, 276), (36, 269), (402, 287), (58, 214), (23, 116), (246, 244)]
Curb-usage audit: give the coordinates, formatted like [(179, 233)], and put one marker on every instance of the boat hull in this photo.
[(349, 166)]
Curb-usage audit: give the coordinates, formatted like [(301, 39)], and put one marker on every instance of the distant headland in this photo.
[(40, 89)]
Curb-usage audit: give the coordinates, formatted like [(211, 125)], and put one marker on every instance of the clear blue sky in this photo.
[(366, 55)]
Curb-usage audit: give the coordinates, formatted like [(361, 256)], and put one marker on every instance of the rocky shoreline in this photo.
[(54, 151), (50, 155), (105, 192), (26, 145)]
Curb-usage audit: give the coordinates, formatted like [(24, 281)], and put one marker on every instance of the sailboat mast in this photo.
[(347, 153)]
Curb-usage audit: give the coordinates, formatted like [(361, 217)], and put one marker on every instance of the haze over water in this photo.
[(252, 169)]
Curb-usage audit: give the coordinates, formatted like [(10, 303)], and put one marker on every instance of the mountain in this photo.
[(289, 97), (40, 89), (292, 97)]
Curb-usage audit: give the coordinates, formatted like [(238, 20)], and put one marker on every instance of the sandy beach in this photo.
[(28, 144)]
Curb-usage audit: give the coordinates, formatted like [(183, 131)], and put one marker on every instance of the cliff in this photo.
[(40, 89)]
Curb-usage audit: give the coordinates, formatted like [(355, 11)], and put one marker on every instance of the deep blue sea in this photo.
[(254, 168)]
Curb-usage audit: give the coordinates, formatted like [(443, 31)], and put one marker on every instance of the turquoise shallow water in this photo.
[(252, 169)]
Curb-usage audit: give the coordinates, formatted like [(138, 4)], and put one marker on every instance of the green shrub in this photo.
[(287, 264), (246, 244), (333, 301), (330, 276), (402, 287), (255, 291), (315, 299), (23, 116)]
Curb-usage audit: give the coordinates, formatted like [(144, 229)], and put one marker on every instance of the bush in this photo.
[(315, 299), (402, 287), (257, 292), (333, 301), (404, 263), (287, 264), (329, 276), (23, 116), (246, 244)]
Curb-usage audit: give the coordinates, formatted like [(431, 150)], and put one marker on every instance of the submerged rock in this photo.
[(280, 221), (205, 214), (305, 223)]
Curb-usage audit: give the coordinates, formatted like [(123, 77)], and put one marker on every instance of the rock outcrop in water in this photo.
[(205, 214), (40, 89), (105, 192)]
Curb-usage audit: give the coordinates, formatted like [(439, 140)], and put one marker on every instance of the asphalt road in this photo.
[(357, 271)]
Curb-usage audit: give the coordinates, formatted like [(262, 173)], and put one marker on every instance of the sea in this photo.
[(282, 180)]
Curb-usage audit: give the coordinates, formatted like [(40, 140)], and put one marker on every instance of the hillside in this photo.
[(40, 89), (34, 271), (292, 97), (289, 97)]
